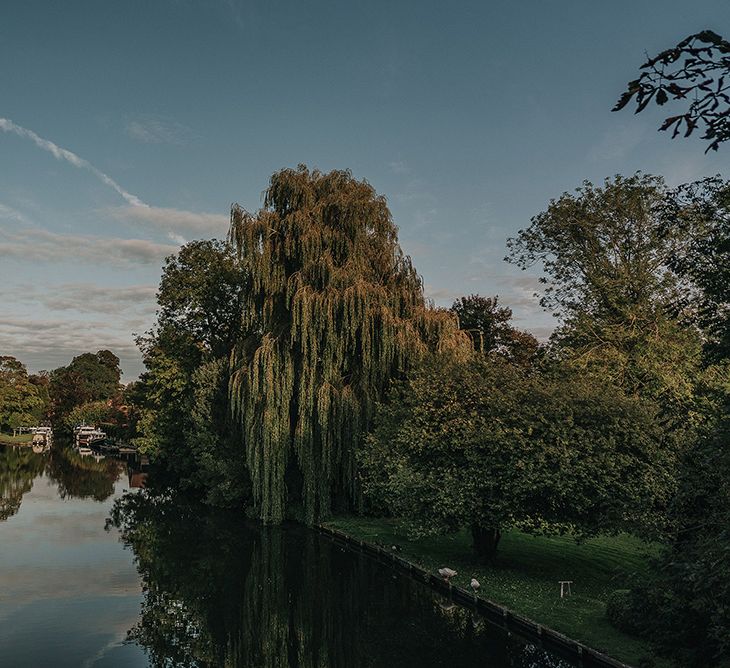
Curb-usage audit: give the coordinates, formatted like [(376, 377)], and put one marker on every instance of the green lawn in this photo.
[(14, 440), (525, 576)]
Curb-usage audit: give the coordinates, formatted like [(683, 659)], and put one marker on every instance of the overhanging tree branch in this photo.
[(695, 70)]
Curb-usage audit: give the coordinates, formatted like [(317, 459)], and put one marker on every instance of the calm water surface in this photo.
[(91, 576)]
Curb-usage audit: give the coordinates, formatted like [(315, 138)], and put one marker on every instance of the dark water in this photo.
[(152, 581)]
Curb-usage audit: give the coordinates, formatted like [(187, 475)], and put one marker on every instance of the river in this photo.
[(94, 573)]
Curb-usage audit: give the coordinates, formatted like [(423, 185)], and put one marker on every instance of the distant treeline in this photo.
[(87, 391)]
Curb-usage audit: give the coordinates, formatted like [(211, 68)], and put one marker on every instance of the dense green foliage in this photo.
[(200, 295), (182, 397), (487, 446), (334, 311), (691, 591), (21, 400), (606, 252), (89, 377), (622, 613), (685, 606), (81, 392), (94, 413)]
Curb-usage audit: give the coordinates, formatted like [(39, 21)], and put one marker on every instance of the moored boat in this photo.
[(86, 437)]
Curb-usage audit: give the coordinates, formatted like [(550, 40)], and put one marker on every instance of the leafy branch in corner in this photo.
[(696, 70)]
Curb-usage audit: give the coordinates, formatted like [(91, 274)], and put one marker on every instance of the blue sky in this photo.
[(467, 116)]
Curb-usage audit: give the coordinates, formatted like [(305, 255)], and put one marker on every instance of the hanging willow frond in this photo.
[(336, 311)]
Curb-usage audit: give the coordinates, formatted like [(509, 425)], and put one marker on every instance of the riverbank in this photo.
[(9, 439), (525, 577)]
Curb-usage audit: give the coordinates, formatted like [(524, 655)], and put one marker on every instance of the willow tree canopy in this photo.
[(334, 311)]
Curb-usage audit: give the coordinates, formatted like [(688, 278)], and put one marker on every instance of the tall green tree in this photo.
[(200, 294), (182, 400), (42, 383), (490, 328), (488, 446), (606, 254), (685, 605), (89, 377), (690, 595), (21, 403), (334, 312)]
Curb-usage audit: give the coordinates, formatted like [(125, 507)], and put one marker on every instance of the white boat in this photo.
[(86, 436)]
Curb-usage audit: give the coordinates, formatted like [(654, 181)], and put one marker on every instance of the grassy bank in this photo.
[(525, 576), (9, 439)]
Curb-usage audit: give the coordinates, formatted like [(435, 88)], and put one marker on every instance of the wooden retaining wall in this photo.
[(537, 634)]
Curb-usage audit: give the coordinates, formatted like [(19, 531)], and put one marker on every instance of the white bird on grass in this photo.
[(474, 584), (447, 573)]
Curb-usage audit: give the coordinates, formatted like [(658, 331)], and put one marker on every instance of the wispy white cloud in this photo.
[(137, 210), (38, 244), (86, 298), (399, 167), (415, 190), (68, 156), (173, 219), (520, 292), (525, 283), (441, 296), (44, 343), (8, 213), (155, 130)]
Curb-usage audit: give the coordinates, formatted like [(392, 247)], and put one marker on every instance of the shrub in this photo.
[(623, 612)]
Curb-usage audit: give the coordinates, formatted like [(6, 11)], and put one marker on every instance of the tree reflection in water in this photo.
[(82, 477), (19, 466), (75, 476), (220, 591)]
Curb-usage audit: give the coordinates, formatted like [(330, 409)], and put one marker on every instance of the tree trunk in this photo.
[(485, 541)]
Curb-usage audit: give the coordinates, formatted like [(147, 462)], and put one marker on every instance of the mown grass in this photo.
[(525, 575), (9, 439)]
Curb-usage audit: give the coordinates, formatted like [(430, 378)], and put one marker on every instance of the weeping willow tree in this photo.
[(334, 311)]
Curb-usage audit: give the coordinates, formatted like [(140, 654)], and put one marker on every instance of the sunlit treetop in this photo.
[(333, 312)]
